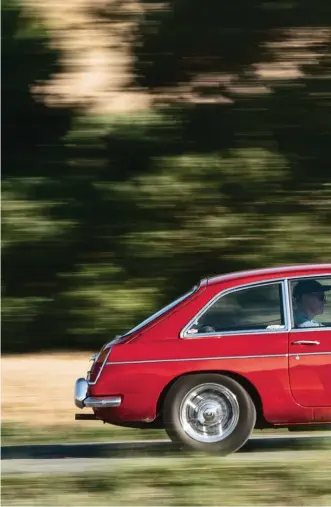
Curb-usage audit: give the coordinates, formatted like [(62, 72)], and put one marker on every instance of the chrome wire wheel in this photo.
[(209, 413)]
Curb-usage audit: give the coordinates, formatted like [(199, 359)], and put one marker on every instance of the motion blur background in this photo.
[(146, 145)]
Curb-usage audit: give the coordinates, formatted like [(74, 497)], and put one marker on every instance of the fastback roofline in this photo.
[(265, 271)]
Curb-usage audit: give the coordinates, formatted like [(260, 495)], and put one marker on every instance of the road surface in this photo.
[(92, 457)]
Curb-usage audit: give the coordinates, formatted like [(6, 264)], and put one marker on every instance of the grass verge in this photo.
[(195, 480)]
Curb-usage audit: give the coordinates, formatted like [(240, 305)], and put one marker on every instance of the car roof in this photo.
[(277, 272)]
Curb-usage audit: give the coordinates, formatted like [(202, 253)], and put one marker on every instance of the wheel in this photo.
[(209, 413)]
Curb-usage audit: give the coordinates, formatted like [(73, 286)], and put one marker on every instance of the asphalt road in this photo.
[(93, 465), (94, 457)]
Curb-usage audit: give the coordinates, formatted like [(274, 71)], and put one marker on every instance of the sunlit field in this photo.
[(38, 402)]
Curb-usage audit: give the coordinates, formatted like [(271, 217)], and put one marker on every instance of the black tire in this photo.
[(234, 440)]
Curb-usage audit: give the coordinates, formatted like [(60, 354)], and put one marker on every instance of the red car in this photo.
[(245, 350)]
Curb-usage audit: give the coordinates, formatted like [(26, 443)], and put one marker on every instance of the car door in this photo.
[(245, 330), (310, 356)]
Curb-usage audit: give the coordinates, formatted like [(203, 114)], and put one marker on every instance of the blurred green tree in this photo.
[(107, 219), (250, 79), (34, 222)]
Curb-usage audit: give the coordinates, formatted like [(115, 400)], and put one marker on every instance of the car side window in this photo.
[(247, 309), (311, 302)]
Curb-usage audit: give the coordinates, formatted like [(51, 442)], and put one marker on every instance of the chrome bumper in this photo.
[(82, 400)]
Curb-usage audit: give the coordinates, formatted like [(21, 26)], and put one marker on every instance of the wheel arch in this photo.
[(243, 381)]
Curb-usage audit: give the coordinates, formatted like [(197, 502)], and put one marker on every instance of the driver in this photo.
[(309, 296)]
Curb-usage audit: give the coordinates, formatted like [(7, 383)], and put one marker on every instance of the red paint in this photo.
[(310, 374), (292, 388)]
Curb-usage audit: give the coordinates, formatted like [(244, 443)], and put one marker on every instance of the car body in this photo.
[(223, 359)]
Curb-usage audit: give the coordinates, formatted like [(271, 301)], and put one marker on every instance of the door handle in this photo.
[(305, 342)]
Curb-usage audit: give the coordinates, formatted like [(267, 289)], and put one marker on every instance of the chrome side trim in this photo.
[(106, 402), (310, 354), (217, 358)]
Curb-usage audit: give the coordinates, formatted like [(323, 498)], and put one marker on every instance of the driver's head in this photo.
[(310, 296)]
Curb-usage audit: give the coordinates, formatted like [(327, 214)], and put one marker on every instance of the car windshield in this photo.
[(162, 311)]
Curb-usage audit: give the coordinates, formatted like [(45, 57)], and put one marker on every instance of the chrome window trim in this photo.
[(279, 281), (248, 332), (287, 308), (290, 308), (288, 303), (164, 309)]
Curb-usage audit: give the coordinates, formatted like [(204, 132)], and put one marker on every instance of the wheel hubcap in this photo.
[(209, 413)]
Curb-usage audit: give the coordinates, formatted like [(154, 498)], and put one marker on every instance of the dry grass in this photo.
[(38, 390)]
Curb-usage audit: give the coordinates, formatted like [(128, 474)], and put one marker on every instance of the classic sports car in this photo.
[(245, 350)]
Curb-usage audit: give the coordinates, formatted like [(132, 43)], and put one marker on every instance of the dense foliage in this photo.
[(107, 219)]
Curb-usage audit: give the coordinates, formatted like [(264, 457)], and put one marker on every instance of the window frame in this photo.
[(284, 306), (289, 281)]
